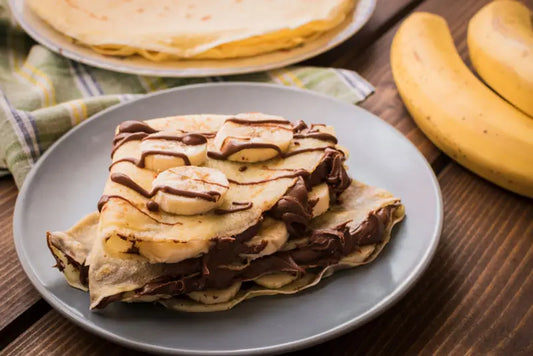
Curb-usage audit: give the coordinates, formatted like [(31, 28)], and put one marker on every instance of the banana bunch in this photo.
[(462, 116), (500, 43)]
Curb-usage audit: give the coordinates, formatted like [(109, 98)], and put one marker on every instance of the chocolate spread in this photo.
[(215, 269)]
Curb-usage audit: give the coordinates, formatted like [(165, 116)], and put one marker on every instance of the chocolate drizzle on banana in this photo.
[(233, 147), (140, 162), (278, 123), (330, 168), (280, 236)]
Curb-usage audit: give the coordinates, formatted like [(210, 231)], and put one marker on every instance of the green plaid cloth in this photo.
[(43, 95)]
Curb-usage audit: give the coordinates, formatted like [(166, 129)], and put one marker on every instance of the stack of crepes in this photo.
[(163, 29), (201, 212)]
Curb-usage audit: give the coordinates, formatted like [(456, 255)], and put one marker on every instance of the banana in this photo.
[(319, 196), (252, 138), (500, 42), (214, 296), (189, 190), (155, 251), (455, 110), (275, 280), (170, 251), (173, 153), (274, 233)]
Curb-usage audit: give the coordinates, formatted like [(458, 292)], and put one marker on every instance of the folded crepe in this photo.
[(277, 213), (189, 28)]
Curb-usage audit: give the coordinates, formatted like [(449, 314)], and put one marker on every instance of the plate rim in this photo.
[(331, 333), (179, 73)]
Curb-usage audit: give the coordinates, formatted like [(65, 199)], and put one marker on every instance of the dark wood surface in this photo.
[(476, 296)]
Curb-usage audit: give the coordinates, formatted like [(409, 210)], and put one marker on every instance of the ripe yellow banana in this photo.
[(455, 110), (500, 42)]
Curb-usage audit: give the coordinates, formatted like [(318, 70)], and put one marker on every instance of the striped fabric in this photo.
[(43, 95)]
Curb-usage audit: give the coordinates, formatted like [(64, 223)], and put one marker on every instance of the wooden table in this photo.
[(476, 297)]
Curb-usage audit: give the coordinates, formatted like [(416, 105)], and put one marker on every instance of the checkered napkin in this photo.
[(43, 95)]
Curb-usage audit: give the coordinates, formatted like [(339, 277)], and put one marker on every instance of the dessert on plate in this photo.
[(181, 29), (201, 212)]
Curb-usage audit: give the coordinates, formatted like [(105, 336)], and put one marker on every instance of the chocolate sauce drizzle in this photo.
[(123, 137), (140, 162), (324, 247), (323, 136), (105, 198), (301, 131), (279, 123), (135, 126), (233, 147), (138, 130), (190, 139), (296, 173), (241, 206), (123, 179)]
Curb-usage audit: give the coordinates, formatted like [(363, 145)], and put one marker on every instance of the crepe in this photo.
[(189, 28), (287, 214), (127, 280), (194, 234)]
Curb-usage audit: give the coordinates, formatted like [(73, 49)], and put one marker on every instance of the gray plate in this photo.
[(67, 181)]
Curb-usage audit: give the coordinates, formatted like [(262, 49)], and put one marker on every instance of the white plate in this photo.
[(68, 180), (57, 42)]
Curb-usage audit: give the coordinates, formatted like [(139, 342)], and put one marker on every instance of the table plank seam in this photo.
[(23, 322)]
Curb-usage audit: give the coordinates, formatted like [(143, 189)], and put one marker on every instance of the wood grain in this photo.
[(54, 335), (475, 297), (374, 65), (16, 292), (385, 15)]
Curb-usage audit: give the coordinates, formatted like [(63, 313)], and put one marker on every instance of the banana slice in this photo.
[(164, 150), (189, 190), (319, 199), (252, 138), (171, 252), (274, 233), (360, 255), (214, 296), (275, 280), (155, 251)]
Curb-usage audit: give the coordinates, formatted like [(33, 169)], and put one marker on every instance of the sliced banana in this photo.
[(189, 190), (253, 138), (319, 197), (170, 251), (214, 296), (155, 251), (360, 255), (165, 152), (275, 280), (274, 233)]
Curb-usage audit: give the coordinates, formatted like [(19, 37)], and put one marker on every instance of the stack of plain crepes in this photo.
[(201, 212), (215, 29)]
